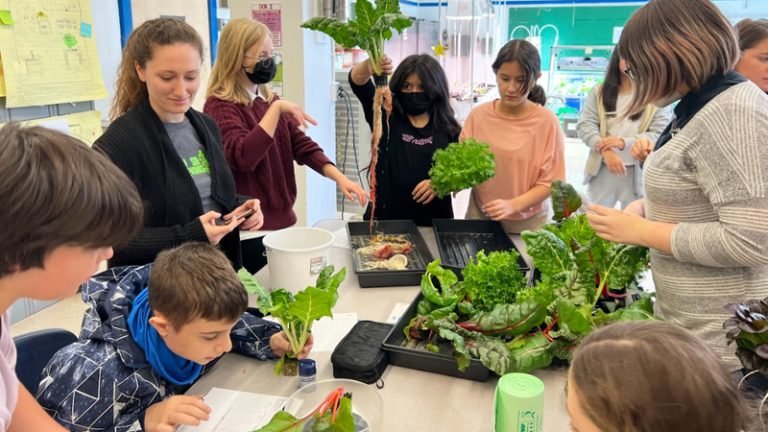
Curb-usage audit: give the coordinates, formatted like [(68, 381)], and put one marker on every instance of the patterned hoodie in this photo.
[(103, 382)]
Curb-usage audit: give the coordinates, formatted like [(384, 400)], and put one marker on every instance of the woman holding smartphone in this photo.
[(170, 151)]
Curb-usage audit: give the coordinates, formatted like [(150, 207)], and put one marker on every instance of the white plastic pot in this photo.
[(296, 256)]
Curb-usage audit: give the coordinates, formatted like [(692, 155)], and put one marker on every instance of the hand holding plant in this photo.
[(373, 25), (461, 166), (297, 313)]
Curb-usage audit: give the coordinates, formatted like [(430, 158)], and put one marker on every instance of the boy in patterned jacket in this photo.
[(149, 330)]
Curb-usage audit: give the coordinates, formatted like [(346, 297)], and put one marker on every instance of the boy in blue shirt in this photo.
[(151, 329)]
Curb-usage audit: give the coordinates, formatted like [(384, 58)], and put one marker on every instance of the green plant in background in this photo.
[(586, 282), (748, 328), (372, 26), (461, 166), (297, 313)]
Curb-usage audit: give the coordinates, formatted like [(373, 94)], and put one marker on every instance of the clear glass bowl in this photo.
[(367, 404)]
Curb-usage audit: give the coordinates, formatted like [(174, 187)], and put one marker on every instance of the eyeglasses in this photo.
[(629, 73)]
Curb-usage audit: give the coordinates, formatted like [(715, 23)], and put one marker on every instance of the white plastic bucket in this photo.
[(296, 256)]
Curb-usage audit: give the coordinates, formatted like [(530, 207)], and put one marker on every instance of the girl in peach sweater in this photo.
[(526, 139)]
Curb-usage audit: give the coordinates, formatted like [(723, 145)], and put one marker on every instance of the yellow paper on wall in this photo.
[(46, 58), (85, 126), (2, 78)]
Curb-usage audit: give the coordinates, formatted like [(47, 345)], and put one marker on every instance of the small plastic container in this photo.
[(307, 372)]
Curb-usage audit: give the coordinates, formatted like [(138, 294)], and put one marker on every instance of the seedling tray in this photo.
[(459, 240), (418, 258), (420, 358)]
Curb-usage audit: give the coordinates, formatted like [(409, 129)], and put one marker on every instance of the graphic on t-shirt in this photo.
[(197, 164), (413, 140)]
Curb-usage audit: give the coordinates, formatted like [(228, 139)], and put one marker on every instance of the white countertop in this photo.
[(413, 400)]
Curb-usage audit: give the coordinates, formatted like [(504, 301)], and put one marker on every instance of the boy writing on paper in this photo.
[(151, 328)]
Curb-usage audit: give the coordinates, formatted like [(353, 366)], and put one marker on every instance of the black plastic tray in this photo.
[(459, 240), (418, 258), (441, 362)]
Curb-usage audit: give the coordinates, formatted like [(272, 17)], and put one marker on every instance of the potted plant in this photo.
[(296, 313)]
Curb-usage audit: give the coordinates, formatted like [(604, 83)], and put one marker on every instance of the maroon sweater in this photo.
[(263, 165)]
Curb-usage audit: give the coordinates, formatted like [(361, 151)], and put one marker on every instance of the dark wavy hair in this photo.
[(435, 85), (609, 94), (527, 56)]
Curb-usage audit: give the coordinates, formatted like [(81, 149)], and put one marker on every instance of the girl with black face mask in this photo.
[(422, 121), (261, 133)]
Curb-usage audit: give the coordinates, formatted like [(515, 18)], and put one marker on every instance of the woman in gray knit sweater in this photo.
[(705, 213)]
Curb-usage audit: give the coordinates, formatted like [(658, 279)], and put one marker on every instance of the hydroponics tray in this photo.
[(418, 357), (459, 240), (418, 258)]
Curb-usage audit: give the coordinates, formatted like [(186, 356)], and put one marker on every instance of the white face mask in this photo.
[(666, 101)]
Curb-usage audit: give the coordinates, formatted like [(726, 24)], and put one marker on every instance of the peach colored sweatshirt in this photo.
[(529, 151)]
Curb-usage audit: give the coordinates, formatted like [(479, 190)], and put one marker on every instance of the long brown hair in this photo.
[(609, 92), (652, 376), (527, 56), (238, 36), (129, 89), (669, 43)]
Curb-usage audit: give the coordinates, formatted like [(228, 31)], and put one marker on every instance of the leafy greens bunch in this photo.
[(586, 282), (334, 414), (297, 313), (461, 166)]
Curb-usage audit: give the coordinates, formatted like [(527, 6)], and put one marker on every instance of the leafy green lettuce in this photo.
[(461, 166)]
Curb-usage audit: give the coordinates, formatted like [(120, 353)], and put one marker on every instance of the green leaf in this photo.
[(341, 33), (565, 200), (624, 263), (508, 319), (311, 304), (533, 353), (460, 352), (446, 278), (550, 254), (493, 279), (461, 166), (281, 422), (365, 15), (493, 354), (253, 286), (388, 6), (573, 318)]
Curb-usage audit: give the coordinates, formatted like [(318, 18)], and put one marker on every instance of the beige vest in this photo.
[(595, 159)]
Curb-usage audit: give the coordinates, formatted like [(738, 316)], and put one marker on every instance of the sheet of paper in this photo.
[(328, 332), (236, 411), (46, 58), (56, 123), (397, 312)]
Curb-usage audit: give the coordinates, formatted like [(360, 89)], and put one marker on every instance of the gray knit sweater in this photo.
[(711, 179)]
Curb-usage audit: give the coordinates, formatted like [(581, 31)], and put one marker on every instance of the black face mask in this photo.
[(263, 71), (415, 103)]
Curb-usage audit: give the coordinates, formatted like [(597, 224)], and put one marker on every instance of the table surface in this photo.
[(413, 400)]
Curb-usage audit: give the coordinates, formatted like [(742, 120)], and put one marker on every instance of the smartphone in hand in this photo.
[(243, 215)]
